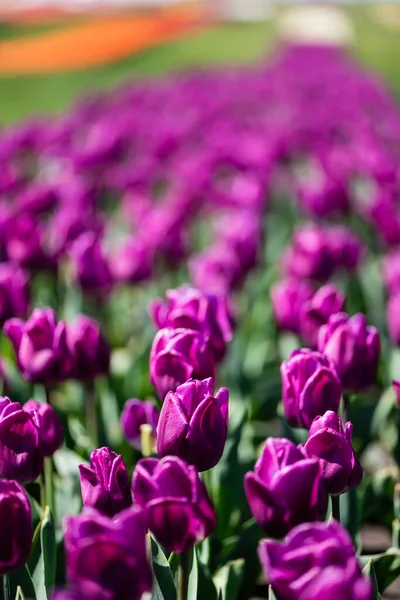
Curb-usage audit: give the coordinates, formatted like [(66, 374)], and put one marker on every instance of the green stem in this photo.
[(5, 587), (335, 501), (49, 484), (183, 580), (43, 499), (346, 406), (47, 392), (2, 583), (91, 413)]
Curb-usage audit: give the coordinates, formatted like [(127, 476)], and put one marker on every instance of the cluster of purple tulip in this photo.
[(139, 166)]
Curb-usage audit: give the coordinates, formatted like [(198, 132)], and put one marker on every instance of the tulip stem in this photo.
[(184, 569), (345, 408), (91, 413), (335, 500)]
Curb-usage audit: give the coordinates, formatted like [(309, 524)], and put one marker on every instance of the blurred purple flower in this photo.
[(51, 429), (327, 301), (288, 298)]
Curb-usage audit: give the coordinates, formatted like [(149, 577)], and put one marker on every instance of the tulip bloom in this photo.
[(327, 301), (89, 350), (51, 429), (178, 355), (105, 484), (91, 268), (14, 292), (189, 308), (316, 560), (193, 424), (137, 413), (393, 317), (21, 452), (310, 386), (40, 346), (285, 488), (107, 559), (354, 348), (331, 443), (16, 527), (177, 506), (288, 298)]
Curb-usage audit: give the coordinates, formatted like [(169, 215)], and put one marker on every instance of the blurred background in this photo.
[(54, 51)]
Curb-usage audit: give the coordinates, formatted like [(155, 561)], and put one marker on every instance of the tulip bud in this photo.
[(217, 270), (40, 346), (106, 559), (396, 387), (133, 262), (177, 506), (310, 386), (354, 348), (316, 560), (189, 308), (393, 317), (16, 527), (14, 292), (331, 443), (90, 352), (51, 429), (24, 244), (285, 488), (288, 298), (327, 301), (21, 452), (137, 413), (193, 424), (91, 268), (178, 355), (105, 484)]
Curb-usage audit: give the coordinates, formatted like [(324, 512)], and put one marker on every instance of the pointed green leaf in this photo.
[(193, 576), (20, 594), (163, 586), (42, 561), (229, 578), (271, 595), (22, 580)]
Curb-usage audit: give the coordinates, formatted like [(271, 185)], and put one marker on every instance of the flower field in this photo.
[(200, 310)]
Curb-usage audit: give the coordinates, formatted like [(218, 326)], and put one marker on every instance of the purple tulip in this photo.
[(396, 387), (194, 424), (325, 197), (106, 559), (178, 355), (178, 508), (133, 263), (391, 271), (310, 387), (327, 301), (14, 292), (105, 484), (91, 268), (354, 348), (89, 350), (51, 429), (25, 245), (288, 298), (16, 523), (217, 270), (316, 560), (309, 255), (393, 317), (21, 452), (187, 307), (331, 443), (285, 488), (40, 346), (137, 413)]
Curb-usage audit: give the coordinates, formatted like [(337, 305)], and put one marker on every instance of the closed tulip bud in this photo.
[(309, 255), (14, 292), (285, 488), (40, 346), (316, 560), (310, 386), (288, 298), (217, 270), (91, 268), (193, 424), (106, 560), (135, 414), (178, 355), (90, 352), (396, 387), (21, 452), (133, 262), (327, 301), (51, 429), (105, 484), (16, 527), (24, 244), (187, 307), (354, 348), (177, 506), (331, 443), (393, 317), (391, 271)]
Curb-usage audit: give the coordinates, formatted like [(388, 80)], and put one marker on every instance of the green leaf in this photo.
[(20, 594), (271, 595), (163, 586), (228, 579), (22, 580), (193, 576), (387, 568), (369, 571), (42, 561)]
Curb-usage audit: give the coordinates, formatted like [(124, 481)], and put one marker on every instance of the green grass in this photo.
[(21, 96)]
